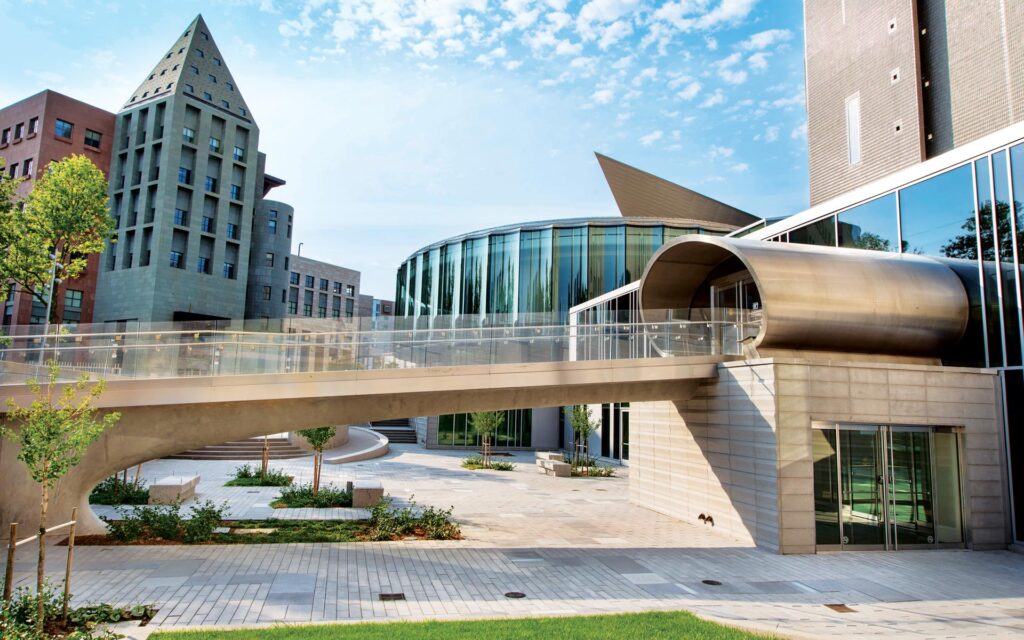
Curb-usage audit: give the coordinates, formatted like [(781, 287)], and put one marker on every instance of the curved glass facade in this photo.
[(509, 274)]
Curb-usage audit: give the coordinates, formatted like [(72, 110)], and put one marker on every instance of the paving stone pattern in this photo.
[(573, 546)]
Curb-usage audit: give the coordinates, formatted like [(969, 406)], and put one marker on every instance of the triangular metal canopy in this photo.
[(642, 195)]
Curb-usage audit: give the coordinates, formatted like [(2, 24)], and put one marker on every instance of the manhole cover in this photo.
[(713, 583), (515, 594), (840, 608), (392, 596)]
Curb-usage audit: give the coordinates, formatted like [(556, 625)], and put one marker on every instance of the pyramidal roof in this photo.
[(193, 66)]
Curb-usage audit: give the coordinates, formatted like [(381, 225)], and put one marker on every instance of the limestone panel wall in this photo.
[(891, 394), (740, 450), (711, 455)]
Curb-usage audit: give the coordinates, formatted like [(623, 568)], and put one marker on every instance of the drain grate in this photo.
[(840, 608), (386, 597), (515, 594), (713, 583)]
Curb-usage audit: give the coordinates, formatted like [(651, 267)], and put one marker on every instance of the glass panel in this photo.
[(871, 225), (426, 281), (448, 280), (1014, 396), (672, 233), (948, 516), (607, 269), (535, 271), (1004, 241), (641, 243), (826, 486), (822, 233), (400, 290), (625, 430), (474, 268), (966, 246), (938, 215), (502, 264), (911, 510), (570, 268), (861, 477)]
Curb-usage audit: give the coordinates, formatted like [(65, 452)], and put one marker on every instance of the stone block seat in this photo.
[(366, 493), (172, 489), (553, 464)]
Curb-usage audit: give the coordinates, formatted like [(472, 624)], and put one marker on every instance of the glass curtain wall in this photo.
[(535, 272), (502, 272), (569, 254), (455, 430), (474, 281)]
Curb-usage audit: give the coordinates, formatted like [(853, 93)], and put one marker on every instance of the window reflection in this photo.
[(870, 226), (822, 233), (938, 215)]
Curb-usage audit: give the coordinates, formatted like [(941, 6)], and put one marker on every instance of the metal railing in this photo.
[(168, 351)]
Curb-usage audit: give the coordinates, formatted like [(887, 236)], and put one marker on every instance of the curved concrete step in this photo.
[(363, 444)]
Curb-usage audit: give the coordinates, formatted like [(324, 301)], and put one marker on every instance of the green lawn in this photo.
[(638, 626)]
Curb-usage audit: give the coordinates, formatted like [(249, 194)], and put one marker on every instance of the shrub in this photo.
[(594, 470), (249, 476), (166, 522), (113, 491), (18, 618), (477, 462), (389, 523), (301, 496), (204, 518)]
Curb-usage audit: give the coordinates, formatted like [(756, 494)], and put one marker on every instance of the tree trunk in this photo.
[(41, 567), (266, 458), (316, 473)]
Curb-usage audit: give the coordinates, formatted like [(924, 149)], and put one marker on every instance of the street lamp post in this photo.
[(54, 281)]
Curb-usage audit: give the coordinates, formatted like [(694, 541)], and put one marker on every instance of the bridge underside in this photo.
[(161, 417)]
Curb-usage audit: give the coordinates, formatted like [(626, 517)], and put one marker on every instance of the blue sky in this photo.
[(401, 122)]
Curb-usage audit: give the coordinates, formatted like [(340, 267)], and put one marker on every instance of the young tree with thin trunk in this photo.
[(583, 425), (65, 218), (485, 424), (318, 438), (53, 433)]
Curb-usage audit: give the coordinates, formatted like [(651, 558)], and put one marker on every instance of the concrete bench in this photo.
[(172, 489), (551, 455), (555, 468), (366, 493)]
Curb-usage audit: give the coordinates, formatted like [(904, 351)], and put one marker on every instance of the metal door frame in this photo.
[(891, 542)]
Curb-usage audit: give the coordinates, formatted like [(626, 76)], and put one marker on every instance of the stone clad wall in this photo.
[(740, 450), (713, 454)]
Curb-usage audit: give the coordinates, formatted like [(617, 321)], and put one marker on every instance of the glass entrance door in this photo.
[(886, 487)]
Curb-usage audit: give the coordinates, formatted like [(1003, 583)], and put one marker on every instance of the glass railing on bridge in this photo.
[(173, 350)]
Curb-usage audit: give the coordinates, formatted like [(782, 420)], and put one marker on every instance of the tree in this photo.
[(485, 424), (53, 433), (64, 216), (583, 425), (318, 437), (965, 246)]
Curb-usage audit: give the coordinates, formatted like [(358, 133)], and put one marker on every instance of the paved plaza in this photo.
[(572, 545)]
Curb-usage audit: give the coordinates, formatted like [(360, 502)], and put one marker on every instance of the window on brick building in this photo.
[(63, 129)]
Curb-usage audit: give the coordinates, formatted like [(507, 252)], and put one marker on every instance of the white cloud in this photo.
[(566, 48), (601, 12), (649, 73), (512, 65), (771, 134), (766, 39), (622, 63), (713, 100), (488, 59), (651, 138), (690, 15), (758, 61), (451, 45), (690, 91), (728, 73), (613, 33), (584, 63), (425, 48), (711, 43), (739, 167), (795, 100), (603, 96), (800, 132), (716, 152)]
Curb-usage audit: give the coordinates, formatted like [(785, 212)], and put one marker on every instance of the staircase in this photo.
[(396, 431), (251, 449)]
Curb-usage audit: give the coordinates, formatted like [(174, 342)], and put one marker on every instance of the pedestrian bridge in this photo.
[(180, 389)]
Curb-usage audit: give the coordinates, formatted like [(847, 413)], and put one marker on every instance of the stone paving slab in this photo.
[(583, 549)]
